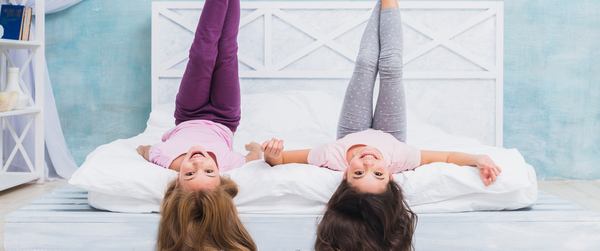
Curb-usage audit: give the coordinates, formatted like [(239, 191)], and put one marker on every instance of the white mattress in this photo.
[(118, 179)]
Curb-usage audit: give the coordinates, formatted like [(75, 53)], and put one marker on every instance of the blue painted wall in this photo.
[(98, 55), (552, 85), (99, 59)]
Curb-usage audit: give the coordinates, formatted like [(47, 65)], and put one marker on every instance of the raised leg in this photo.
[(194, 90), (225, 91), (390, 111), (357, 109)]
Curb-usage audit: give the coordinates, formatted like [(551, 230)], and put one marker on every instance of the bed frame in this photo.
[(453, 62), (453, 73)]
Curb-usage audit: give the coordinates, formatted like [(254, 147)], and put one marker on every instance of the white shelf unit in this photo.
[(33, 157)]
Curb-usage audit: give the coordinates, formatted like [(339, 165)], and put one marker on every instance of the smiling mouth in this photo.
[(197, 155), (365, 154)]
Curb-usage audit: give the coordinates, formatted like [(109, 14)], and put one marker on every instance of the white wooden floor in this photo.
[(17, 197), (584, 193)]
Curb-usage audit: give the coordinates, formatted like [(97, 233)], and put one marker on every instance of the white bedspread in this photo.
[(118, 179)]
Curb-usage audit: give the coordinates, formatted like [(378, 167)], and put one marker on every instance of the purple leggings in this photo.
[(210, 88)]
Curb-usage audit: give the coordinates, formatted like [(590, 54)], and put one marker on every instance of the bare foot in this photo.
[(144, 150)]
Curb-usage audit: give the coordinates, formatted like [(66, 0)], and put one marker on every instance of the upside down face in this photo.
[(199, 170), (367, 170)]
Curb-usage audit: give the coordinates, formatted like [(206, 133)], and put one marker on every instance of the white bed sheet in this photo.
[(118, 179)]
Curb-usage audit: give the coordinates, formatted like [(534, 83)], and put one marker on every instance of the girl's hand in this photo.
[(488, 170), (254, 150), (144, 151), (253, 147), (272, 150)]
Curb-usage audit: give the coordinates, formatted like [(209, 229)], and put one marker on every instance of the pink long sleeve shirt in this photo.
[(214, 137), (398, 155)]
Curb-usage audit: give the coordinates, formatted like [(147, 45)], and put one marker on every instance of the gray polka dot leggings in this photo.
[(380, 51)]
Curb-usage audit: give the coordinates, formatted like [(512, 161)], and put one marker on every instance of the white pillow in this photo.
[(117, 169), (305, 189), (302, 119), (284, 189), (262, 189)]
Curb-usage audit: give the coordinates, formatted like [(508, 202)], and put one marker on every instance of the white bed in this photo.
[(303, 189), (453, 75)]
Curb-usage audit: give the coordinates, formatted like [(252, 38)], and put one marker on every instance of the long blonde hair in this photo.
[(202, 220)]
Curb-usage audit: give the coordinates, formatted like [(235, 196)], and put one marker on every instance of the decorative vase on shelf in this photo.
[(12, 85)]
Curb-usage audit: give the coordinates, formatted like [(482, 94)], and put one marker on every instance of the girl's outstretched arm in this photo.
[(274, 154), (488, 170)]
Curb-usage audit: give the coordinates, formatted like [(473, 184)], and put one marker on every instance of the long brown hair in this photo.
[(202, 220), (362, 221)]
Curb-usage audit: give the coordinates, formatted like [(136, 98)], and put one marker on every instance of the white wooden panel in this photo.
[(449, 47), (429, 236), (57, 224)]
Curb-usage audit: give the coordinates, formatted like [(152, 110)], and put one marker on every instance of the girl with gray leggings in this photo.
[(371, 147)]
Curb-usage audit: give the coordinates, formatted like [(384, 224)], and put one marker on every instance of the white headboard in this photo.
[(453, 61)]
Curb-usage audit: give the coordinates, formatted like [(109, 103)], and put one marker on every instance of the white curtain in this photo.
[(59, 161)]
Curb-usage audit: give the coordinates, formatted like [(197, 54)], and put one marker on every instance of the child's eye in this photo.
[(358, 172), (209, 171), (379, 173), (189, 173)]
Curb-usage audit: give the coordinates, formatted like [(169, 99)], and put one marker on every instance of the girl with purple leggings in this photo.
[(207, 109), (197, 212)]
